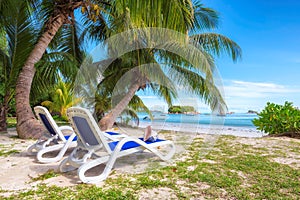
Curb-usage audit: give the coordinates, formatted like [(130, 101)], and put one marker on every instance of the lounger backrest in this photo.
[(47, 124), (87, 128), (85, 131), (45, 117)]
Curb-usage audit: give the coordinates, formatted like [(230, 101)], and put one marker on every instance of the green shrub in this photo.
[(275, 119)]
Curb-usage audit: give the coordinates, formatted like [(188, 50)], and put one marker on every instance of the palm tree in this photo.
[(57, 13), (20, 31), (26, 122), (189, 18)]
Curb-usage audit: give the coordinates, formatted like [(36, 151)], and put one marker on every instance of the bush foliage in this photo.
[(279, 119)]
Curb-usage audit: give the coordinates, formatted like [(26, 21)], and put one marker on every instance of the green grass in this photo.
[(231, 170), (47, 175), (6, 151), (88, 192)]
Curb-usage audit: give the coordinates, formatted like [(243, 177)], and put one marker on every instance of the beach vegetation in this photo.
[(62, 98), (279, 120), (11, 122), (6, 153)]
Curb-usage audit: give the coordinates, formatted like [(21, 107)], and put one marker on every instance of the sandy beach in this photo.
[(18, 169)]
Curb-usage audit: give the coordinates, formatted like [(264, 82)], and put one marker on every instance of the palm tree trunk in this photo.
[(27, 125), (3, 112), (107, 122), (3, 124)]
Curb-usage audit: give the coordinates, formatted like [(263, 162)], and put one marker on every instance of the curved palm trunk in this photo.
[(27, 125), (107, 122)]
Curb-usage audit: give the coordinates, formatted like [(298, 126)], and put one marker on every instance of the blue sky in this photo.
[(268, 31)]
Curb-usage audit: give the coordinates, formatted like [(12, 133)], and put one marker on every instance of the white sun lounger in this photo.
[(92, 139), (55, 141)]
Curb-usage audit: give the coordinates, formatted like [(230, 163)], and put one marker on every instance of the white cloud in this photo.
[(243, 95), (235, 88)]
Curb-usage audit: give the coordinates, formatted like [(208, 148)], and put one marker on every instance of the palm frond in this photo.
[(188, 56), (168, 94), (52, 65), (217, 44), (204, 18)]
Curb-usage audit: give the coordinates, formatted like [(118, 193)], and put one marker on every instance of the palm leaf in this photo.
[(204, 18), (217, 44)]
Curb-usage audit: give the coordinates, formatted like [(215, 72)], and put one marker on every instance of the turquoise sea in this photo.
[(237, 124), (232, 120)]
